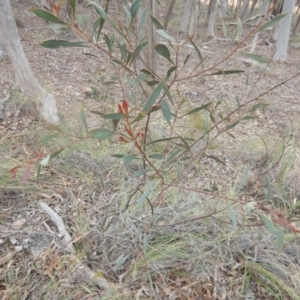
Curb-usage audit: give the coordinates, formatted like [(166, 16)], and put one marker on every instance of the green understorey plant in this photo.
[(166, 161)]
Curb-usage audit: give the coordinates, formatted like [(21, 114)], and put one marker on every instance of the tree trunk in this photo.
[(194, 19), (223, 6), (186, 15), (168, 15), (284, 31), (254, 2), (44, 102), (263, 10), (2, 47), (245, 10), (211, 16), (298, 20), (148, 31)]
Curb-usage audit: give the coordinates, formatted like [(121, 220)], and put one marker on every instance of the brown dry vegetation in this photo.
[(176, 253)]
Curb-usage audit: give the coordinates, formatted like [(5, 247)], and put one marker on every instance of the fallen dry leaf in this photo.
[(18, 224)]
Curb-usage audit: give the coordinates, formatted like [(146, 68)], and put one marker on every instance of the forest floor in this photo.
[(198, 243)]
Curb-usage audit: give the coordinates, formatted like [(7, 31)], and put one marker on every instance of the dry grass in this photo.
[(189, 246)]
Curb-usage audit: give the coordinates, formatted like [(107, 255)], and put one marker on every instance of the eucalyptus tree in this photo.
[(43, 101)]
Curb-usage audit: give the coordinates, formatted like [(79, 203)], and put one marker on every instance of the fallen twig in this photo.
[(82, 270)]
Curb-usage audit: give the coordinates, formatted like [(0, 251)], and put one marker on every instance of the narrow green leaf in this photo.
[(73, 7), (171, 70), (108, 43), (38, 172), (99, 113), (167, 92), (45, 15), (216, 159), (248, 118), (139, 173), (166, 111), (197, 50), (90, 54), (155, 94), (162, 33), (144, 15), (142, 199), (163, 50), (269, 224), (117, 61), (101, 133), (257, 57), (157, 156), (146, 72), (127, 159), (135, 6), (256, 106), (83, 118), (168, 139), (271, 22), (269, 191), (232, 125), (115, 116), (99, 10), (152, 82), (44, 161), (120, 263), (173, 155), (102, 21), (141, 116), (156, 22), (186, 145), (140, 47), (46, 138), (118, 155), (280, 239), (233, 218), (186, 59), (243, 180), (54, 44), (205, 106), (56, 153), (226, 72)]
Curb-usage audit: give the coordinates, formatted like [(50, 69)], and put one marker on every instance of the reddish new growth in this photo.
[(123, 108)]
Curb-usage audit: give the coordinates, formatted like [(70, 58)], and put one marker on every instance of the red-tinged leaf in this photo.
[(122, 139), (13, 171), (26, 174), (125, 107), (56, 7)]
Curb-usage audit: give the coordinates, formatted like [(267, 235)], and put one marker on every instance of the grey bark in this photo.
[(254, 2), (194, 18), (223, 6), (245, 10), (211, 16), (168, 15), (284, 31), (44, 102), (2, 47), (186, 16), (263, 10)]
